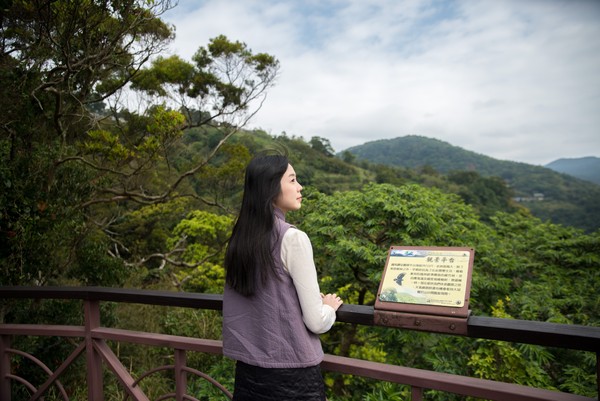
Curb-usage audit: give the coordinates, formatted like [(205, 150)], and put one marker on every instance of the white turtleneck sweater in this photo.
[(297, 257)]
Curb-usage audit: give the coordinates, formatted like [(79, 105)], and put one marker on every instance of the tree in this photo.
[(523, 269), (348, 157), (224, 80), (321, 145), (55, 56), (487, 194), (351, 232), (74, 159), (206, 235)]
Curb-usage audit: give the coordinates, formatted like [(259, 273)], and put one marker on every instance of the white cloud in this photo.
[(514, 80)]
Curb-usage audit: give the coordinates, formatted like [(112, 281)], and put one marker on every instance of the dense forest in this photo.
[(95, 193), (550, 194)]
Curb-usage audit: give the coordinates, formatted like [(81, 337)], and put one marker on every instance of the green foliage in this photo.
[(567, 200), (352, 230), (146, 231), (202, 324), (97, 195), (222, 179), (502, 361), (202, 228), (126, 158), (317, 169), (95, 267), (91, 192), (39, 224), (226, 76), (164, 127), (374, 390), (56, 55), (578, 377), (51, 350), (416, 151), (165, 70), (187, 322), (522, 268), (321, 145), (206, 235), (105, 143), (387, 392), (73, 167), (557, 270), (486, 194)]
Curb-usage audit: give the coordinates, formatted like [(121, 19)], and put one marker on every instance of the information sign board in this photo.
[(427, 280)]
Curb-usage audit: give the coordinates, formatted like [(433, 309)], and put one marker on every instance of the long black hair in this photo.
[(249, 258)]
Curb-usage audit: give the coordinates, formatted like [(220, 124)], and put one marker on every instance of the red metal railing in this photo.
[(95, 338)]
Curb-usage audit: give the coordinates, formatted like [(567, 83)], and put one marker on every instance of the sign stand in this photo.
[(426, 288)]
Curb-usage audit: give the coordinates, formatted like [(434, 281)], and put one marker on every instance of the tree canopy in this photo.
[(96, 192), (74, 156)]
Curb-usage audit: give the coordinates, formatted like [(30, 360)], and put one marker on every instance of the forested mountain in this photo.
[(585, 168), (93, 193), (550, 195)]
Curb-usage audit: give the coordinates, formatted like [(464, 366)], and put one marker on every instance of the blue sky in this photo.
[(515, 80)]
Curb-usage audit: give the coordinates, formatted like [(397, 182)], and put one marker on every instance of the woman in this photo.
[(273, 310)]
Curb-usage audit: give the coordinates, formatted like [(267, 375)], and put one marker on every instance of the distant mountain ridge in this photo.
[(585, 168), (567, 200), (413, 151)]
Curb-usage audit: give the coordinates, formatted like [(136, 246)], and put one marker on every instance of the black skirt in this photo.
[(253, 383)]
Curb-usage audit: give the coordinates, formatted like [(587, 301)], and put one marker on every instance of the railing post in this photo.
[(180, 375), (5, 390), (93, 359), (416, 393)]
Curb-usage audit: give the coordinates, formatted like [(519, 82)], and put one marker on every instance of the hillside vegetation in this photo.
[(560, 198), (524, 268), (96, 194)]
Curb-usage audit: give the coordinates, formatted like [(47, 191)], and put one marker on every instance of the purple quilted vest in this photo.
[(266, 329)]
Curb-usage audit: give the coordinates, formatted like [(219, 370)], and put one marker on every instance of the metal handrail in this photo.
[(576, 337), (540, 333)]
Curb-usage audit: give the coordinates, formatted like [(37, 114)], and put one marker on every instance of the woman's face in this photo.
[(290, 197)]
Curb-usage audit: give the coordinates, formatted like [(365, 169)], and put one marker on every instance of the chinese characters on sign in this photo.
[(426, 277)]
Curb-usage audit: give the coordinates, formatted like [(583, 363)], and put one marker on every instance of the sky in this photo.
[(514, 80)]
